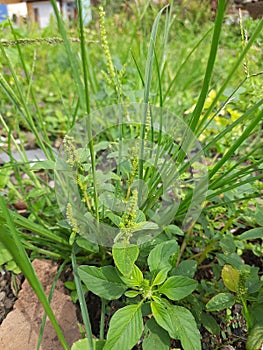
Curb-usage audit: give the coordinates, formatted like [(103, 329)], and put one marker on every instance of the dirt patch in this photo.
[(20, 329)]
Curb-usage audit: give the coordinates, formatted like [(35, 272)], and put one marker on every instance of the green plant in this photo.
[(115, 207), (158, 290), (248, 288)]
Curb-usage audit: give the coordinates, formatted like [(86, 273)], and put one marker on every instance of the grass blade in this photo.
[(11, 241)]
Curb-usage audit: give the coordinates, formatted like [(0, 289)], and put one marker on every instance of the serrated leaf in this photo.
[(155, 338), (178, 287), (159, 256), (125, 257), (178, 322), (255, 338), (220, 302), (230, 276), (255, 233), (126, 328), (104, 281)]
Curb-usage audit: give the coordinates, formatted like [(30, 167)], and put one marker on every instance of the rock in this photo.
[(20, 329)]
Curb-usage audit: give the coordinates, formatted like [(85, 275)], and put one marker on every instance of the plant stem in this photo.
[(82, 302), (102, 318)]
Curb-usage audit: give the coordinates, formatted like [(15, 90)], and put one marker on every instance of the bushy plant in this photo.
[(132, 180)]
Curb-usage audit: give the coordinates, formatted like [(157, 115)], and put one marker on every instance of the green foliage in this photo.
[(178, 322), (220, 302), (103, 281), (221, 102), (125, 328), (126, 325), (155, 338), (255, 338)]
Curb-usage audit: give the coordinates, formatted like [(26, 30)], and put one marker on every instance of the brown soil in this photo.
[(20, 328)]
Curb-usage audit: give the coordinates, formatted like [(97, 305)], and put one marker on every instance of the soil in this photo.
[(25, 319)]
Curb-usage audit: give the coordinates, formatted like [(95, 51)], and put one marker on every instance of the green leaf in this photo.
[(5, 256), (255, 338), (210, 324), (178, 322), (71, 285), (126, 328), (230, 276), (131, 293), (83, 344), (104, 281), (44, 165), (125, 257), (159, 256), (87, 245), (156, 338), (255, 312), (255, 233), (185, 268), (220, 302), (178, 287), (135, 279), (173, 230), (259, 215), (160, 277)]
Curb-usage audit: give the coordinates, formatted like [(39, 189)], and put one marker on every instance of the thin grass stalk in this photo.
[(10, 239), (71, 56), (234, 185), (52, 290), (138, 69), (87, 103), (223, 133), (147, 81), (227, 156), (236, 144), (221, 108), (23, 157), (231, 74), (38, 229), (210, 65), (102, 318), (31, 91), (183, 64), (82, 301), (221, 204), (159, 79), (235, 174), (168, 24), (21, 101)]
